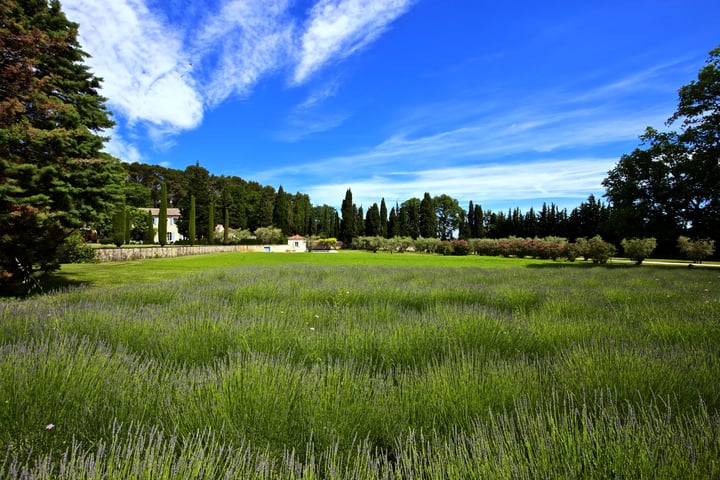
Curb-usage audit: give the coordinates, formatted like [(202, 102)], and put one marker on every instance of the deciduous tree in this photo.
[(671, 184)]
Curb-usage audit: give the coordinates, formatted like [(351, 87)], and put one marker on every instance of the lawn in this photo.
[(361, 365)]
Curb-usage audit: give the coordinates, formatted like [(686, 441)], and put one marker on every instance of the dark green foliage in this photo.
[(162, 216), (75, 250), (383, 218), (226, 226), (149, 234), (427, 218), (670, 186), (696, 250), (127, 226), (211, 224), (191, 224), (448, 215), (54, 177), (281, 211), (198, 184), (598, 250), (118, 235), (373, 222), (348, 224)]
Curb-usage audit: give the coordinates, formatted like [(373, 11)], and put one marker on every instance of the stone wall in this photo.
[(137, 253)]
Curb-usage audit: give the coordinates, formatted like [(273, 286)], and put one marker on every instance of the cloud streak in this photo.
[(167, 77), (518, 183), (337, 29), (473, 150)]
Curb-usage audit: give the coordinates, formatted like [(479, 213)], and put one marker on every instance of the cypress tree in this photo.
[(348, 228), (162, 217), (226, 226), (281, 211), (118, 235), (211, 223), (427, 217), (383, 218), (127, 225), (149, 229), (191, 226)]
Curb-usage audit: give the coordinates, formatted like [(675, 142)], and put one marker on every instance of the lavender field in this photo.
[(349, 369)]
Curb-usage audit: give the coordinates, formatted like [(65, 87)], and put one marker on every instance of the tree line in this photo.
[(56, 180)]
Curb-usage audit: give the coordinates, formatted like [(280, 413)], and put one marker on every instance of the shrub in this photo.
[(600, 251), (696, 250), (485, 246), (555, 247), (638, 249), (74, 250), (269, 235), (445, 248), (460, 247), (570, 251), (582, 248), (428, 245), (325, 244)]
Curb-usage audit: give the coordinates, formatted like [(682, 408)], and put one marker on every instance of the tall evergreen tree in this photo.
[(393, 227), (195, 181), (409, 218), (281, 211), (359, 220), (348, 228), (118, 232), (149, 235), (211, 224), (226, 226), (267, 206), (128, 225), (373, 223), (383, 218), (427, 219), (162, 216), (54, 178), (191, 225)]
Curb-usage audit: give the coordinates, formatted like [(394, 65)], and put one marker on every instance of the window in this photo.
[(155, 221), (169, 237)]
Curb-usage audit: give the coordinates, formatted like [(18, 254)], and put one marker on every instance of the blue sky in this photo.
[(508, 104)]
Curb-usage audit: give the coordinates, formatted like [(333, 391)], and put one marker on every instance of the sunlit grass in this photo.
[(363, 366)]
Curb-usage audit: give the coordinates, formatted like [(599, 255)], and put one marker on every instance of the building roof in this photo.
[(296, 237)]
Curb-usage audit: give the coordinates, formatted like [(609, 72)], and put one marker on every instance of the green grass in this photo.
[(361, 365), (153, 270)]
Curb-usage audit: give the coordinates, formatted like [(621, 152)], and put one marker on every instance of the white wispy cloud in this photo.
[(337, 29), (516, 150), (141, 60), (242, 42), (161, 77), (506, 184)]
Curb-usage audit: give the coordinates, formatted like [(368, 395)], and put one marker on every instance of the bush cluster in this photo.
[(696, 250), (638, 249), (551, 248)]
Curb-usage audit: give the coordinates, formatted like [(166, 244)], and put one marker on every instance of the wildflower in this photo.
[(317, 316), (49, 426), (312, 329)]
